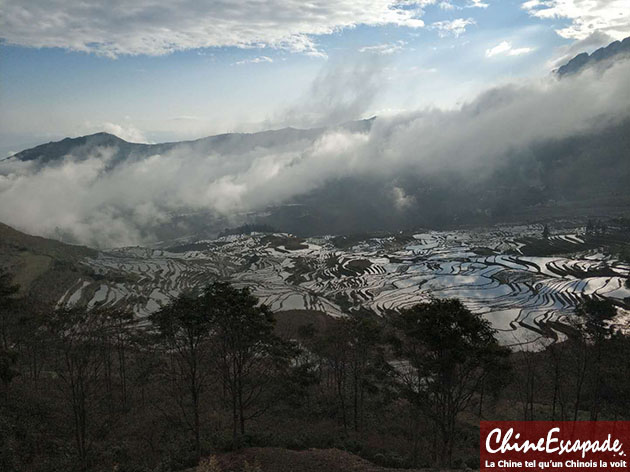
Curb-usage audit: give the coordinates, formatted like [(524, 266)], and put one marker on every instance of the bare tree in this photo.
[(447, 353), (185, 328), (76, 342), (247, 352)]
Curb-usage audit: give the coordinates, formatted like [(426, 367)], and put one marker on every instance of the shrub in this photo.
[(209, 464), (254, 467)]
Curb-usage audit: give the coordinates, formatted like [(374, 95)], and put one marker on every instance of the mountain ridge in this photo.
[(54, 150), (583, 60)]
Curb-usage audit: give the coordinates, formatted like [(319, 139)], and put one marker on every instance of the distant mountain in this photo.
[(601, 57), (77, 146), (586, 174), (226, 144)]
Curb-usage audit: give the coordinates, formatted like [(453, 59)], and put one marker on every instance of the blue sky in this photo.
[(189, 69)]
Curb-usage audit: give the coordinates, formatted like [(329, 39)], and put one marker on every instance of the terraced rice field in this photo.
[(518, 293)]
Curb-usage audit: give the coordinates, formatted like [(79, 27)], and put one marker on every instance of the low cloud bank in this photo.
[(102, 202)]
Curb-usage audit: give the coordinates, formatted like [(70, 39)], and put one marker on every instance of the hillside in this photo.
[(42, 267)]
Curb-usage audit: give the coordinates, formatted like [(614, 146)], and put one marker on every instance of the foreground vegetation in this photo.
[(93, 390)]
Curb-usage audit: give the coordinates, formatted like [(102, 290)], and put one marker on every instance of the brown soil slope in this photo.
[(45, 268), (271, 459)]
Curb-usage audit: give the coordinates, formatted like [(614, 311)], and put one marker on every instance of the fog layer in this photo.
[(95, 199)]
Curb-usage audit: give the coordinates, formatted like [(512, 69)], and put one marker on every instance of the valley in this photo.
[(495, 271)]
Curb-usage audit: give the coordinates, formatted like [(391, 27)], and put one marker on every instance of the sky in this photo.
[(152, 71)]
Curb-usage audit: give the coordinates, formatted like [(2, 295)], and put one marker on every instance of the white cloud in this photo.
[(453, 27), (186, 118), (127, 132), (500, 48), (519, 51), (505, 47), (342, 91), (119, 27), (256, 60), (587, 16), (447, 5), (384, 49), (402, 201)]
